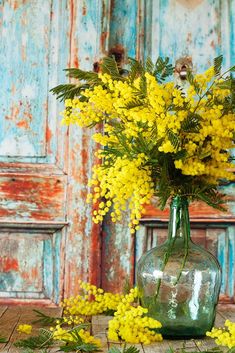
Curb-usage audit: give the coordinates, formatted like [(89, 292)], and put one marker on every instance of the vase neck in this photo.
[(179, 226)]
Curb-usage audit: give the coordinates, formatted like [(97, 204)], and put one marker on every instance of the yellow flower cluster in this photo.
[(25, 328), (138, 139), (131, 324), (126, 181), (93, 301), (60, 334), (224, 336)]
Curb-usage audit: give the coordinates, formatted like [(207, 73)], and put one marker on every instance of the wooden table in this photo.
[(12, 316)]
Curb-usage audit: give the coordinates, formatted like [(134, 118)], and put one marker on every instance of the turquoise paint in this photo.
[(59, 55), (39, 32), (57, 265), (231, 260), (232, 30), (140, 239), (48, 267), (222, 258), (123, 31), (24, 79), (185, 31)]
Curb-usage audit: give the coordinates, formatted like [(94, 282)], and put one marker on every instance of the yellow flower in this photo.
[(25, 328), (225, 336)]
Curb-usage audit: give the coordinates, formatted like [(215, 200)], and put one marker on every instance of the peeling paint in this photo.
[(32, 198), (8, 264)]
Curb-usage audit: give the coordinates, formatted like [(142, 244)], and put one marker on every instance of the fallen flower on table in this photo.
[(71, 332), (24, 328), (131, 324), (224, 336)]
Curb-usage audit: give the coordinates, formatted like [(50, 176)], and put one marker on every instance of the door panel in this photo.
[(24, 73), (32, 198), (30, 264)]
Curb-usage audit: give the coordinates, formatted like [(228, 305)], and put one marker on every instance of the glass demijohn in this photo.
[(179, 281)]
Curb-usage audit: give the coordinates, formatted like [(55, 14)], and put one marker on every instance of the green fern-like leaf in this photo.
[(134, 103), (162, 69), (77, 343), (163, 190), (83, 347), (131, 349), (218, 64), (192, 82), (180, 155), (45, 320), (191, 123), (109, 66), (149, 66), (68, 91), (136, 69), (173, 138), (212, 198), (88, 76), (43, 340), (114, 349)]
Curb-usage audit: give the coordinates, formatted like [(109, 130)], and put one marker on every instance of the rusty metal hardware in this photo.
[(182, 66)]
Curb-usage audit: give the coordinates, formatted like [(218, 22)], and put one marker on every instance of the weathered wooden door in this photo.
[(47, 239), (173, 28), (45, 226)]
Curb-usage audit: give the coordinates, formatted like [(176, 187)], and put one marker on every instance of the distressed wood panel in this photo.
[(32, 62), (198, 210), (82, 249), (32, 198), (117, 261), (117, 256), (123, 29), (219, 240), (24, 111), (201, 29), (25, 276)]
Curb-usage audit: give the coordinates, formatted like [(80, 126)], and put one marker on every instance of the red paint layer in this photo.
[(95, 255), (84, 10), (196, 210), (42, 198), (7, 264), (23, 124)]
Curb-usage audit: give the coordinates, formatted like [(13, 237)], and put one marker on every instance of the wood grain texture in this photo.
[(24, 276), (82, 245)]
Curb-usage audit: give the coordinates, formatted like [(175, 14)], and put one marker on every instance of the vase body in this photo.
[(179, 281)]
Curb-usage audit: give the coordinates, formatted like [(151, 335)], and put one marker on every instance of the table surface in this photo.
[(12, 316)]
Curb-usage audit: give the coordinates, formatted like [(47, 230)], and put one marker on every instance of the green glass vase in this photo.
[(179, 281)]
